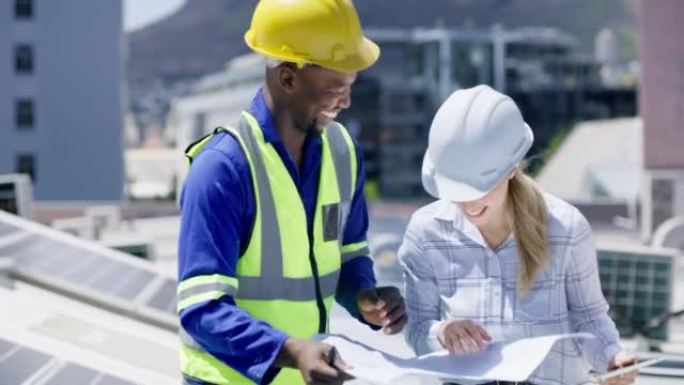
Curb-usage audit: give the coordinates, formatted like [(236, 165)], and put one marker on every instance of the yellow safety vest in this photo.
[(285, 277)]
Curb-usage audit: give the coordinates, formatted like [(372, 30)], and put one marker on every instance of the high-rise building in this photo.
[(61, 80)]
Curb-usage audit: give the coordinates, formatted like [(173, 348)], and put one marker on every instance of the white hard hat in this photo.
[(476, 139)]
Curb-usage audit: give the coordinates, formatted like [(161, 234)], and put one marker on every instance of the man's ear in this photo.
[(287, 78)]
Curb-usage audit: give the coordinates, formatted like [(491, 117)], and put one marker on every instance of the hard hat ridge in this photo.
[(323, 32)]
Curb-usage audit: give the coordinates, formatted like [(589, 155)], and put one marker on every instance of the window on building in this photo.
[(23, 9), (25, 114), (26, 165), (8, 198), (23, 59)]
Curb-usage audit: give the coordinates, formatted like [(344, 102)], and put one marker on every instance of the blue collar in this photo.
[(263, 115)]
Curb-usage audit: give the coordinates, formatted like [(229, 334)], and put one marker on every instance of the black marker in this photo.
[(332, 356)]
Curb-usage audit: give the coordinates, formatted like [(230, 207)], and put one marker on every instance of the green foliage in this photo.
[(555, 142), (372, 190)]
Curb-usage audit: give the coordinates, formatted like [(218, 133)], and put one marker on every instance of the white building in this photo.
[(599, 161), (151, 172), (61, 83), (216, 100)]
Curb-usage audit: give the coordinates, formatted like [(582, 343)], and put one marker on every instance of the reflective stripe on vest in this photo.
[(354, 250), (275, 280), (199, 289)]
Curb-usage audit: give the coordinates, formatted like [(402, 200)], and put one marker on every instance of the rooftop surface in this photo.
[(90, 324)]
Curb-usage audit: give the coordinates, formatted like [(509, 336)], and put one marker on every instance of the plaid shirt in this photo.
[(450, 272)]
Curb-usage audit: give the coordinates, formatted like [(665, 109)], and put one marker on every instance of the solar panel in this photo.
[(5, 229), (5, 346), (165, 298), (80, 268), (637, 285), (15, 242), (73, 374), (49, 258), (19, 363), (70, 264), (111, 277), (109, 380), (99, 271), (130, 286)]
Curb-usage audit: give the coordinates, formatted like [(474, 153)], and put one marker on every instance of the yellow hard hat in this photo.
[(323, 32)]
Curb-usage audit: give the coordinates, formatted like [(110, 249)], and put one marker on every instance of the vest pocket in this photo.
[(331, 222), (345, 207)]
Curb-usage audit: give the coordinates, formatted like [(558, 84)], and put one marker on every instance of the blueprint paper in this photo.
[(504, 360)]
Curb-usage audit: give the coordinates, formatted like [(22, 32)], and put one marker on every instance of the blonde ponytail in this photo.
[(530, 219)]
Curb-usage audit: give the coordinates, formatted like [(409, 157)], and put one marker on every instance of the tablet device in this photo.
[(640, 363)]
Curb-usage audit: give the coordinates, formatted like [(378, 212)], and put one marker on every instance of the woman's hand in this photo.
[(620, 360), (462, 337)]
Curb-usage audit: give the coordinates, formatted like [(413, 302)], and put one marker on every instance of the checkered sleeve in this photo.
[(588, 309), (422, 296)]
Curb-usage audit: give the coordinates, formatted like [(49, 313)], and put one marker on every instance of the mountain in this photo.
[(204, 34)]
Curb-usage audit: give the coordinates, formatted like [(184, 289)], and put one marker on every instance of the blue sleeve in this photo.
[(214, 219), (356, 273)]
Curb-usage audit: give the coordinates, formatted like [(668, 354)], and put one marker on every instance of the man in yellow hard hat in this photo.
[(273, 215)]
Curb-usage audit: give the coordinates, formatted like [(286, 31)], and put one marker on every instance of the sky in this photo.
[(139, 13)]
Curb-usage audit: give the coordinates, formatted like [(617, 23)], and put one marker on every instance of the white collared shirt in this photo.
[(450, 272)]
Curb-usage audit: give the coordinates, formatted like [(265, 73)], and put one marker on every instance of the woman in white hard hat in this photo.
[(494, 258)]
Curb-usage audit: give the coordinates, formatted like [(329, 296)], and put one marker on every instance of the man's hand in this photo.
[(384, 307), (313, 360), (620, 360)]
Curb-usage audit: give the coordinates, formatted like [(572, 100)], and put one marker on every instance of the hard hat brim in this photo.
[(441, 187), (367, 54)]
